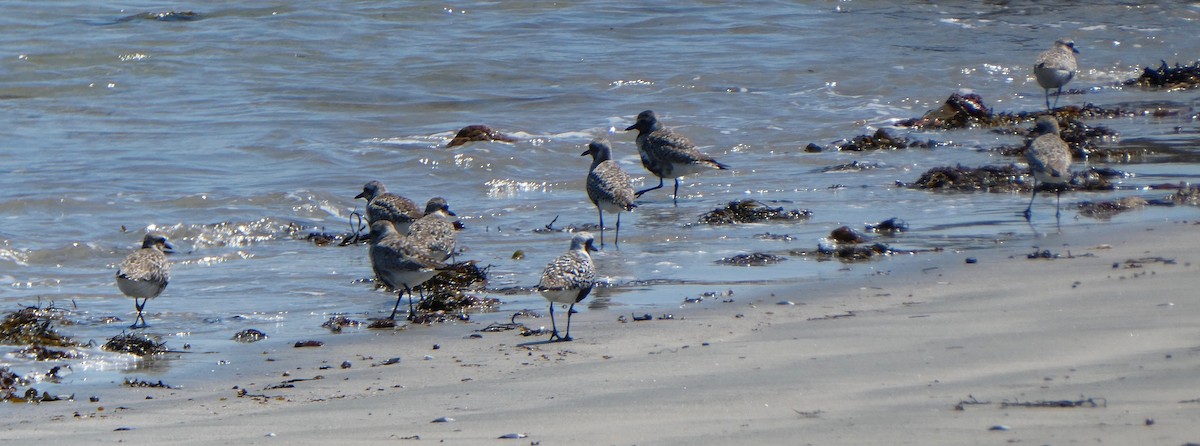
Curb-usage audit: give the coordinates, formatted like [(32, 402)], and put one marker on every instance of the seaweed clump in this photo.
[(754, 259), (447, 292), (751, 211), (880, 140), (138, 345), (478, 132), (249, 335), (1179, 77), (969, 179), (33, 326), (1107, 209), (969, 111)]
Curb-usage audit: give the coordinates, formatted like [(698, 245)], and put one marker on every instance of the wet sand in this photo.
[(918, 350)]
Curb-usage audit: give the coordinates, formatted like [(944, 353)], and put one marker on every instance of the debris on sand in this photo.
[(751, 211), (969, 111), (889, 226), (136, 344), (249, 335), (1107, 209), (970, 179), (1179, 77), (1004, 179), (755, 259), (33, 326), (336, 323), (846, 234), (472, 133), (882, 139), (447, 292)]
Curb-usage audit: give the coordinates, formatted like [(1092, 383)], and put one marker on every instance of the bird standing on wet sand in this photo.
[(145, 272), (1049, 161), (401, 263), (569, 279), (383, 205), (667, 154), (1055, 67), (608, 186)]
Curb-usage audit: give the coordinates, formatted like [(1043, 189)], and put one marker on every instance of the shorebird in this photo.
[(1055, 67), (608, 186), (383, 205), (400, 263), (434, 232), (569, 279), (144, 273), (667, 154), (1049, 161)]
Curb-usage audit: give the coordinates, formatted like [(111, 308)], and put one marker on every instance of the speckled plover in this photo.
[(568, 280), (667, 154), (383, 205), (1055, 67), (608, 186), (144, 273), (1049, 160)]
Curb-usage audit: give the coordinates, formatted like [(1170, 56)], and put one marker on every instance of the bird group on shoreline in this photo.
[(409, 246)]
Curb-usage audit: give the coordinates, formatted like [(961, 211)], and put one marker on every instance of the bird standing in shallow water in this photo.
[(144, 273), (1049, 161), (383, 205), (569, 279), (401, 263), (608, 186), (667, 154), (1055, 67)]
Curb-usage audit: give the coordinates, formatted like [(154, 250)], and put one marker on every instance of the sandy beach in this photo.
[(927, 350)]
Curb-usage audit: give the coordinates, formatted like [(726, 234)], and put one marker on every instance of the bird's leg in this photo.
[(1028, 209), (140, 307), (640, 192), (399, 297), (601, 212), (570, 311), (553, 327), (675, 197), (616, 238)]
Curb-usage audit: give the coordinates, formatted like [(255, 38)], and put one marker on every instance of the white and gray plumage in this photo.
[(383, 205), (400, 263), (1055, 67), (667, 154), (608, 186), (144, 273), (1049, 160), (434, 232), (569, 279)]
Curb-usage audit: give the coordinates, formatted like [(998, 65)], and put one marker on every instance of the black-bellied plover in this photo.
[(1049, 161), (434, 232), (1055, 67), (144, 273), (383, 205), (569, 279), (608, 186), (667, 154), (400, 264)]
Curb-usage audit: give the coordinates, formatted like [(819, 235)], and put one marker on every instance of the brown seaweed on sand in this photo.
[(969, 111), (33, 326), (1109, 208), (478, 132), (136, 344), (447, 292), (1003, 179), (754, 259), (882, 139), (1179, 77), (751, 211)]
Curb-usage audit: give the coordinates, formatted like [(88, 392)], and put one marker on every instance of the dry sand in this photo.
[(922, 350)]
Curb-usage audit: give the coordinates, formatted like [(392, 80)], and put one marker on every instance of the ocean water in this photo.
[(242, 128)]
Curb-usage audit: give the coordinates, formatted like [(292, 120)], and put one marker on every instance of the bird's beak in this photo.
[(451, 213), (360, 195), (591, 247), (631, 127), (586, 152), (167, 248)]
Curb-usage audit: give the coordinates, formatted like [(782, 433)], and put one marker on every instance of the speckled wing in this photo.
[(671, 153), (1055, 67), (609, 187), (435, 235), (144, 273), (394, 208), (1049, 159), (400, 263), (569, 278)]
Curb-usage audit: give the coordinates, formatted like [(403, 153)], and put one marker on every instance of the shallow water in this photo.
[(230, 131)]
